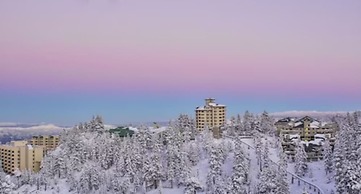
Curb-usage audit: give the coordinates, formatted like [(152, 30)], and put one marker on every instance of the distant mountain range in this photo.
[(19, 131), (307, 113)]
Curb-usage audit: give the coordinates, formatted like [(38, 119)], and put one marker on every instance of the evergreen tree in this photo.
[(327, 156), (6, 185), (96, 124), (239, 179), (248, 121), (265, 155), (192, 185), (214, 177), (300, 160), (153, 166), (90, 179), (267, 182), (346, 156), (266, 124)]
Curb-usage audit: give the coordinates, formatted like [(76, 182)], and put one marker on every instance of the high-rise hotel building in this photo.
[(210, 115), (49, 142), (20, 155)]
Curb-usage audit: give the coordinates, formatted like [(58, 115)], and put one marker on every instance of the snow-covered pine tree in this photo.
[(171, 163), (6, 185), (106, 151), (153, 165), (266, 124), (231, 128), (185, 165), (267, 183), (351, 181), (60, 167), (238, 181), (258, 145), (214, 178), (282, 175), (300, 159), (193, 153), (265, 155), (338, 160), (192, 185), (247, 123), (96, 124), (327, 156), (346, 156), (90, 179)]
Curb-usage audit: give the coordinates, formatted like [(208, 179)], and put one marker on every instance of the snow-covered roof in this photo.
[(320, 136), (215, 104), (200, 108), (314, 142), (294, 136), (158, 130), (298, 124), (315, 124), (132, 128), (151, 129)]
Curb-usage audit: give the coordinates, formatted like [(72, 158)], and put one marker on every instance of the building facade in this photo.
[(48, 142), (308, 131), (22, 156), (210, 115)]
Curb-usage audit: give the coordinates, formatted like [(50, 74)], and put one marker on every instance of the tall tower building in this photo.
[(210, 115), (21, 155)]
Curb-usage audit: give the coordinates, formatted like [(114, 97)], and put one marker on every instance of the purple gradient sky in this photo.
[(283, 55)]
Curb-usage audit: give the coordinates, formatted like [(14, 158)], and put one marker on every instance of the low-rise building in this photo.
[(308, 131), (21, 155)]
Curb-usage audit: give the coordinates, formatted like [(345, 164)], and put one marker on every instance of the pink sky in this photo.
[(158, 45)]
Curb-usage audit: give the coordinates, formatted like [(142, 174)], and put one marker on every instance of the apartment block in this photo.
[(20, 155), (210, 115), (309, 131), (49, 142)]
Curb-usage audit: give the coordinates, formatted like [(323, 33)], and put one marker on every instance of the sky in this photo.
[(137, 61)]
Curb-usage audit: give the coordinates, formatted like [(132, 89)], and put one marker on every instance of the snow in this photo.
[(298, 124), (201, 108), (322, 136), (107, 127), (315, 124), (215, 104), (133, 128), (318, 176), (315, 142), (151, 129), (294, 136), (158, 130), (61, 186), (202, 168), (168, 190)]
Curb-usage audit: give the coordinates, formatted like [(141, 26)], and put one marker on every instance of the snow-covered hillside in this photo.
[(179, 159)]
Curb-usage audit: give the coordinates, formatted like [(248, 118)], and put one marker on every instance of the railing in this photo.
[(311, 186)]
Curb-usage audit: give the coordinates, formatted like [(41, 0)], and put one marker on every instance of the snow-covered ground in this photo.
[(316, 174)]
